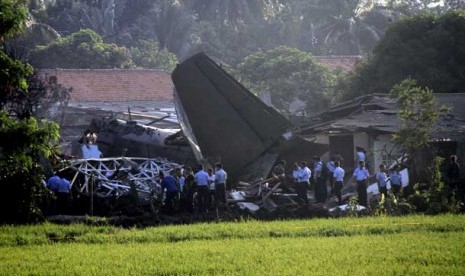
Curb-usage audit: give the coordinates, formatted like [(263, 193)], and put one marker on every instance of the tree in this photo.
[(287, 74), (13, 73), (34, 34), (428, 48), (24, 140), (418, 111), (346, 27), (83, 49), (232, 12), (149, 55)]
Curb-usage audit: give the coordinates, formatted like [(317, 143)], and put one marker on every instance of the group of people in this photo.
[(330, 176), (60, 187), (200, 191), (317, 180)]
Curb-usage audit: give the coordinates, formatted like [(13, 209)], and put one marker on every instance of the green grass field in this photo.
[(413, 245)]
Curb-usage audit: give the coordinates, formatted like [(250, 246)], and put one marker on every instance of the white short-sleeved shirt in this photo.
[(211, 182), (221, 176), (304, 174), (338, 174)]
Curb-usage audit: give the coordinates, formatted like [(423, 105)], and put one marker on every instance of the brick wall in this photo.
[(344, 63), (115, 85)]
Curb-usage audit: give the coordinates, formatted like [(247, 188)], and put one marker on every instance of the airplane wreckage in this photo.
[(220, 121)]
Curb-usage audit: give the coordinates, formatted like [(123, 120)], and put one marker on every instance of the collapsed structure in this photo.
[(224, 122)]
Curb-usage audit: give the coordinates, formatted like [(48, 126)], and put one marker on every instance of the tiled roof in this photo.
[(344, 63), (115, 85)]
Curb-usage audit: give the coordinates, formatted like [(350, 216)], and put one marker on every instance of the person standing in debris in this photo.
[(170, 184), (203, 192), (279, 172), (304, 175), (330, 167), (212, 188), (179, 174), (338, 177), (63, 196), (52, 184), (360, 155), (396, 181), (220, 180), (381, 180), (321, 191), (295, 174), (361, 175), (190, 189)]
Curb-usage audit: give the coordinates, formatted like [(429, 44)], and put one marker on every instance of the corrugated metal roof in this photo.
[(378, 112)]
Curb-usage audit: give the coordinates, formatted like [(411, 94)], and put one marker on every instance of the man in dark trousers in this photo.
[(190, 188), (203, 192), (220, 181), (361, 175), (321, 191), (170, 185), (63, 196)]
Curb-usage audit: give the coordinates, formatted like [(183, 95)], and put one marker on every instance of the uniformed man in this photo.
[(361, 175)]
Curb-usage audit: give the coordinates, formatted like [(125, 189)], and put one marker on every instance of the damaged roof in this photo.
[(377, 113)]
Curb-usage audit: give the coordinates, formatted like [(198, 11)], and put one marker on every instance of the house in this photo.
[(344, 63), (369, 121), (134, 94)]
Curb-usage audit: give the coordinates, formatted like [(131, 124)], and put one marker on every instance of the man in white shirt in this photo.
[(381, 179), (338, 176), (220, 180), (361, 175), (303, 178), (203, 192)]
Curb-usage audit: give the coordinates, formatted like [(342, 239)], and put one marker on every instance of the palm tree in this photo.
[(233, 11), (347, 27)]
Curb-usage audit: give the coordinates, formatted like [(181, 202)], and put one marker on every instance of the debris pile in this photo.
[(267, 194), (114, 178)]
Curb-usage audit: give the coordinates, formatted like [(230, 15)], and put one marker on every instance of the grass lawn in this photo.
[(413, 245)]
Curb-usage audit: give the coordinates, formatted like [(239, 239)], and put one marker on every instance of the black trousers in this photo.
[(203, 198), (301, 188), (337, 190), (396, 189), (383, 190), (362, 192), (63, 203), (321, 192), (221, 193)]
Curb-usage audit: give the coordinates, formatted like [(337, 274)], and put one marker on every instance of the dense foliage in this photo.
[(24, 140), (83, 49), (428, 48), (288, 74)]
